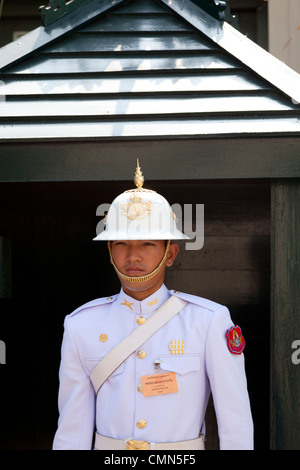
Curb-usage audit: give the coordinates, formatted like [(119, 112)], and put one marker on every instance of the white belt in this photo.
[(108, 443)]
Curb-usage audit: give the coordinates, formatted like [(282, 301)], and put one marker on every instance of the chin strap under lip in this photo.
[(137, 279)]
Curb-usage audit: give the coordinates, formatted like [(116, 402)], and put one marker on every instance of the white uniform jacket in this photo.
[(202, 365)]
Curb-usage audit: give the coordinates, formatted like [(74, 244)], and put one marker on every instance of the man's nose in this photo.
[(134, 253)]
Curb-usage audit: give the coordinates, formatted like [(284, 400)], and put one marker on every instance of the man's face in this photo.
[(136, 258)]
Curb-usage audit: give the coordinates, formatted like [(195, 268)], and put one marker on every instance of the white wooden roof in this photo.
[(143, 69)]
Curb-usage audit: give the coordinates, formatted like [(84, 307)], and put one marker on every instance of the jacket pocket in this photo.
[(180, 364)]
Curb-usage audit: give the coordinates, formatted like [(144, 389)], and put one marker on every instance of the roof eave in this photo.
[(241, 47)]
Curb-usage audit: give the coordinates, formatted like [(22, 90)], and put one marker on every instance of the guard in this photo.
[(137, 369)]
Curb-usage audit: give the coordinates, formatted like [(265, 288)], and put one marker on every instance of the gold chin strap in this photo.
[(147, 277)]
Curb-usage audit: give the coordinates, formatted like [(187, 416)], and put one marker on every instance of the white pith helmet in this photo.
[(140, 214)]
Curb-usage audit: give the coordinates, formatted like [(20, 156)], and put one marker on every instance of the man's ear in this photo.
[(172, 253)]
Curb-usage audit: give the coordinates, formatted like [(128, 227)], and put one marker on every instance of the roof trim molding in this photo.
[(56, 9), (39, 37), (244, 49)]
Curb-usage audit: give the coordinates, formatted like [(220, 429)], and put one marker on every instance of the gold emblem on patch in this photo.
[(103, 338), (176, 346)]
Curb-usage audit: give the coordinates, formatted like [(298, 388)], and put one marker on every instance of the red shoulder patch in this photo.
[(235, 340)]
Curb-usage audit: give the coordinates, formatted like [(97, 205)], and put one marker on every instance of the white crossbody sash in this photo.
[(134, 340)]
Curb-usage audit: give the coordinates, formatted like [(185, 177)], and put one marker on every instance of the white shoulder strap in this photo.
[(133, 341)]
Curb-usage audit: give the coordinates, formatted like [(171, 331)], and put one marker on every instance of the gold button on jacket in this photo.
[(141, 354), (141, 423)]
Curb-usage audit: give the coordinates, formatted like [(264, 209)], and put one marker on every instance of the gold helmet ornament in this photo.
[(140, 214)]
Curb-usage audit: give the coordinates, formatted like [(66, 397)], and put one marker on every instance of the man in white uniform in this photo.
[(157, 397)]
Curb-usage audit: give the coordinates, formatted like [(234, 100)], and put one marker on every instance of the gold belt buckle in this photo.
[(137, 445)]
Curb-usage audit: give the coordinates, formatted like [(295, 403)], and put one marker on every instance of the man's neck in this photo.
[(142, 294)]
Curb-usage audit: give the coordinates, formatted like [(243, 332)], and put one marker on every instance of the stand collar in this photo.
[(148, 305)]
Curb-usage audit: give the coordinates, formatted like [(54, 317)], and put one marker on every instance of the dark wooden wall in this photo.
[(56, 267), (285, 319)]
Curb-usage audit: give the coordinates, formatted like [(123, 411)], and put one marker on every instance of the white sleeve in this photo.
[(76, 400), (226, 373)]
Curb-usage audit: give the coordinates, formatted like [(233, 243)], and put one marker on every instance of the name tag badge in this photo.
[(159, 384)]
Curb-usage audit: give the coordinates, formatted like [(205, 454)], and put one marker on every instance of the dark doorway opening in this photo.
[(55, 267)]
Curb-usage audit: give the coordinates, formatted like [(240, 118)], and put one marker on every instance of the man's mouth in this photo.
[(133, 270)]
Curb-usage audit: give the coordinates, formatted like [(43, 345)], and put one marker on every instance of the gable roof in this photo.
[(142, 69)]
